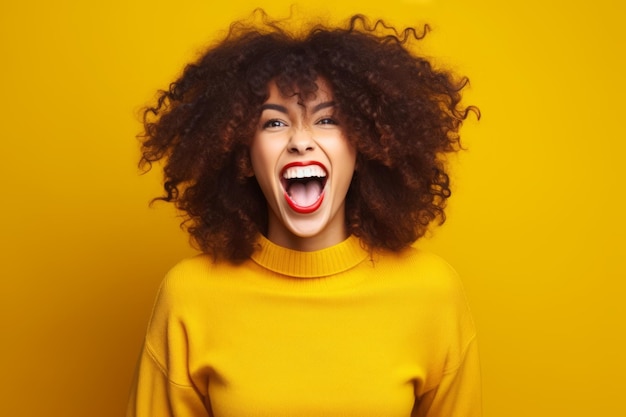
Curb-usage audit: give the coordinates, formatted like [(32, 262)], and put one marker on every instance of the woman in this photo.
[(307, 164)]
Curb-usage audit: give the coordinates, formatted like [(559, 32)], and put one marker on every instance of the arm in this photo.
[(459, 392), (162, 386), (155, 395)]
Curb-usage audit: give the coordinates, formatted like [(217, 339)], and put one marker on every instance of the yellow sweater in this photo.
[(328, 333)]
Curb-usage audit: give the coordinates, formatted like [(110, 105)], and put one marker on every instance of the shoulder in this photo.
[(192, 267), (185, 275), (192, 281), (197, 270), (419, 264), (437, 286), (424, 276), (189, 290)]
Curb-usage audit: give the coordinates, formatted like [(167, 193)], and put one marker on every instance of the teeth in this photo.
[(304, 172)]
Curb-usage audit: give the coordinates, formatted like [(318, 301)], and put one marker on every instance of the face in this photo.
[(304, 164)]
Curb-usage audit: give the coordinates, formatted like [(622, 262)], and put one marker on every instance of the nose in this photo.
[(301, 141)]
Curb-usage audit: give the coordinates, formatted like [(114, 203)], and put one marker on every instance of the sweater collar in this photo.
[(325, 262)]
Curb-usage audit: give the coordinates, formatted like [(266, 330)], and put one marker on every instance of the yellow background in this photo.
[(536, 226)]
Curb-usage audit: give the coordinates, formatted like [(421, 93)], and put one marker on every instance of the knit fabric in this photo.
[(337, 332)]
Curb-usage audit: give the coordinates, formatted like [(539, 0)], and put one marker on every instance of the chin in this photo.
[(308, 225)]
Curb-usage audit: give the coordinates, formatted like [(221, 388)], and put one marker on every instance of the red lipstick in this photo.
[(304, 185)]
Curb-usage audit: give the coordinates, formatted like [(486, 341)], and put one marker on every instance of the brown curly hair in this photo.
[(400, 113)]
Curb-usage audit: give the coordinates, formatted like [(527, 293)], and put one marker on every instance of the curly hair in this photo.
[(402, 115)]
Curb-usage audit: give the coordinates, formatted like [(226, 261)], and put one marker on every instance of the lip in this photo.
[(302, 164), (295, 207)]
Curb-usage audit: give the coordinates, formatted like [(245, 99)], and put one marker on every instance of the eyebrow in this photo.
[(277, 107), (283, 109), (323, 105)]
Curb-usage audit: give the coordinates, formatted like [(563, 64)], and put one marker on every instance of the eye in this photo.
[(273, 123), (327, 121)]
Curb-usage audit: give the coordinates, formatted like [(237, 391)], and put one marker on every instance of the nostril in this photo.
[(300, 149), (301, 141)]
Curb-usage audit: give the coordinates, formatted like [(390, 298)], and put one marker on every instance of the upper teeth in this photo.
[(304, 172)]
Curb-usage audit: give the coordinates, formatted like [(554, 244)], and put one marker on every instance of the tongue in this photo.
[(305, 195)]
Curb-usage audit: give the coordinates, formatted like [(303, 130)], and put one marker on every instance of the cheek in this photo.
[(263, 161), (346, 164), (350, 156), (257, 157)]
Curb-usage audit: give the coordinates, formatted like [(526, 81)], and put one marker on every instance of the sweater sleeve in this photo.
[(153, 394), (453, 388), (458, 393), (162, 386)]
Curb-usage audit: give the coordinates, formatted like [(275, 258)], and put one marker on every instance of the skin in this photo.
[(297, 135)]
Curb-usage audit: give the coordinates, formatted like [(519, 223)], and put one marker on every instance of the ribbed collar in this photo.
[(325, 262)]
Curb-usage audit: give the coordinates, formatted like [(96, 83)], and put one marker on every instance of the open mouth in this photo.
[(304, 184)]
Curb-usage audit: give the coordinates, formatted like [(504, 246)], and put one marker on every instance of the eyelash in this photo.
[(275, 123), (327, 121)]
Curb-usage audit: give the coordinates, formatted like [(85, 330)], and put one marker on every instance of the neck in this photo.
[(334, 233)]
